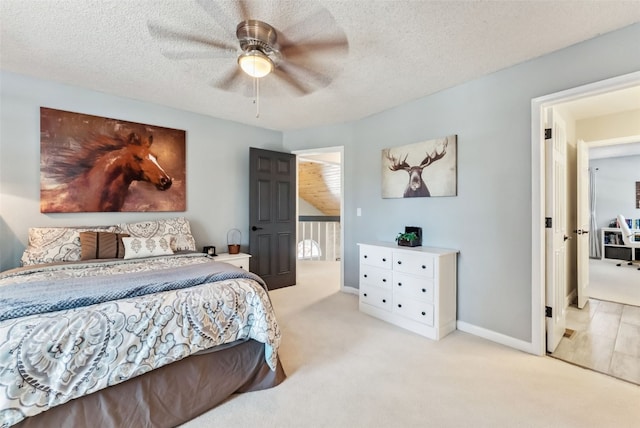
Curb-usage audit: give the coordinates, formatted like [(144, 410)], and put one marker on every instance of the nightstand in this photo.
[(240, 260)]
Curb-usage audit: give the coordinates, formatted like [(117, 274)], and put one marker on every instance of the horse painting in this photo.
[(95, 174)]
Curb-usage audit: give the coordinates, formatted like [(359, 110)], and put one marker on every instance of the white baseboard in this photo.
[(350, 290), (496, 337)]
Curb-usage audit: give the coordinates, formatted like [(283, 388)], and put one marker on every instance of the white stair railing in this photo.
[(319, 238)]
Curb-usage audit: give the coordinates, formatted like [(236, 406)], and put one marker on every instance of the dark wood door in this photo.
[(272, 217)]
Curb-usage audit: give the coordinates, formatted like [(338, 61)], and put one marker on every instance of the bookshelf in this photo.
[(612, 245)]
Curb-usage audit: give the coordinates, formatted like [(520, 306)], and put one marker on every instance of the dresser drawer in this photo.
[(241, 263), (240, 260), (417, 311), (375, 276), (416, 264), (413, 287), (375, 296), (376, 256)]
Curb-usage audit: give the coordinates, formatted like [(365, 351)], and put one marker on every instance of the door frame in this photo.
[(316, 151), (538, 247)]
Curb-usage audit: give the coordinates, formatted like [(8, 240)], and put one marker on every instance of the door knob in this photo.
[(254, 228), (581, 232)]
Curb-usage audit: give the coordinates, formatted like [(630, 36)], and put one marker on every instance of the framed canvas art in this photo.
[(96, 164), (423, 169)]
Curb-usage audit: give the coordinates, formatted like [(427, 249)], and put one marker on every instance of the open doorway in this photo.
[(538, 190), (320, 234), (561, 102), (614, 165)]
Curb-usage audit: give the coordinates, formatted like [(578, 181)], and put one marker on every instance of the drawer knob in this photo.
[(399, 262), (384, 279), (384, 260), (365, 275), (399, 284), (384, 300), (424, 290), (424, 267), (399, 305), (364, 294), (424, 313), (365, 256)]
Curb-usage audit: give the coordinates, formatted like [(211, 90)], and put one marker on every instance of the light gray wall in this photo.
[(490, 219), (217, 162), (616, 188)]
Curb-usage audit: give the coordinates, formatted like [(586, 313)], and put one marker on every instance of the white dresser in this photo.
[(414, 288)]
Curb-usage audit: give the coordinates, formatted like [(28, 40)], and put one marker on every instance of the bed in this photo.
[(153, 337)]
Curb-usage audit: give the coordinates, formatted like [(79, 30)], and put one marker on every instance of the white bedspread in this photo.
[(49, 359)]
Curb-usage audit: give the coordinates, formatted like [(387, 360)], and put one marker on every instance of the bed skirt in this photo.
[(170, 395)]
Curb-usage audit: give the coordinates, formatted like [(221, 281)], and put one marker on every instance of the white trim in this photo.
[(613, 141), (495, 337), (332, 149), (538, 342), (350, 290)]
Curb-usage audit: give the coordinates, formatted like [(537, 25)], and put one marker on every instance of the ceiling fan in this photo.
[(303, 58)]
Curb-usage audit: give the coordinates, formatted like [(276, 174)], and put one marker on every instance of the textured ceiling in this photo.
[(397, 50)]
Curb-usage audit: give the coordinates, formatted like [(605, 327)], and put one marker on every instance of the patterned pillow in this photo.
[(135, 248), (56, 244), (101, 245), (177, 231)]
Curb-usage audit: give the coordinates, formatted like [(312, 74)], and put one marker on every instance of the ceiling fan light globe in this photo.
[(255, 63)]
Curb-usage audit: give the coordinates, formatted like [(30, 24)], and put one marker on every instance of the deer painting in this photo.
[(416, 186)]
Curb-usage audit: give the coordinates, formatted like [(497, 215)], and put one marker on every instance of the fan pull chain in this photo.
[(256, 91)]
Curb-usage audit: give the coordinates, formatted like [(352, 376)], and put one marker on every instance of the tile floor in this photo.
[(606, 339)]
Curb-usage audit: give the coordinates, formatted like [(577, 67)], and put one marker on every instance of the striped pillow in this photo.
[(101, 245)]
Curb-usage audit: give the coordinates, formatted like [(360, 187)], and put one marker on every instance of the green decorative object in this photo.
[(411, 237)]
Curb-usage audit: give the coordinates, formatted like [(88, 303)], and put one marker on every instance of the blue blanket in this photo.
[(23, 299)]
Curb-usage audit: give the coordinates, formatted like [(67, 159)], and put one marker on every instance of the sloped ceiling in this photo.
[(319, 185), (397, 50)]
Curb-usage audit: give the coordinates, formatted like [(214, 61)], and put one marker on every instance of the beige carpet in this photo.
[(347, 369)]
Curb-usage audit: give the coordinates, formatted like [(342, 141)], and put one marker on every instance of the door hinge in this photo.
[(548, 311), (548, 222), (547, 133)]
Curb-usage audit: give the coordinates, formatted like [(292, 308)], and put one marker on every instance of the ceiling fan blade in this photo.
[(215, 10), (291, 81), (186, 55), (167, 35), (316, 23), (290, 50), (229, 80), (301, 72), (244, 10)]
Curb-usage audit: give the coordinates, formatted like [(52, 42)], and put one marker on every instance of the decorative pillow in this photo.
[(177, 231), (101, 245), (56, 244), (135, 248)]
